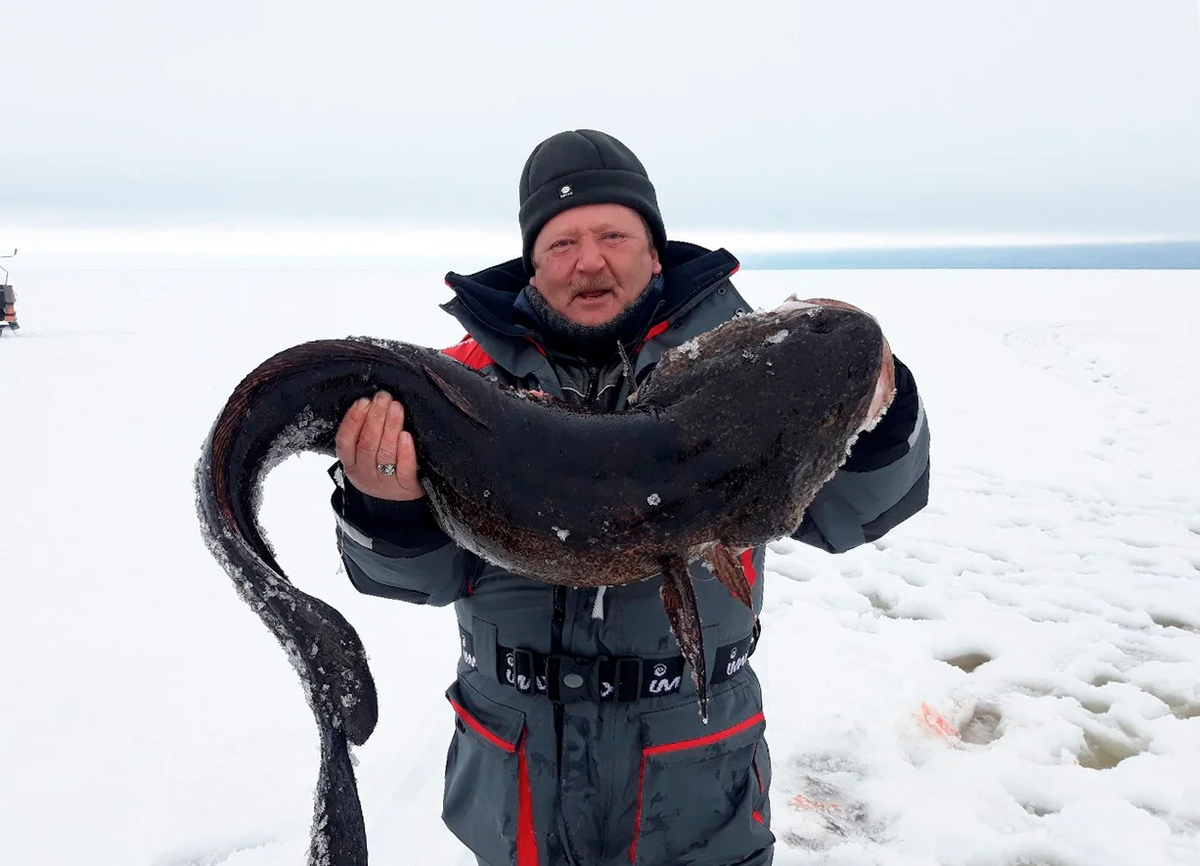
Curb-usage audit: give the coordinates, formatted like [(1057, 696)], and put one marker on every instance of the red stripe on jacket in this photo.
[(653, 332), (468, 352)]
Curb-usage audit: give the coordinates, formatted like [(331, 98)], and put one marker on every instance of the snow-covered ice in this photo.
[(1011, 678)]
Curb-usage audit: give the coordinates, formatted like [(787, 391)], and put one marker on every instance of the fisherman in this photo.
[(578, 739)]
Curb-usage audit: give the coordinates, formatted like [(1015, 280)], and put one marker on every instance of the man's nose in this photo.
[(590, 257)]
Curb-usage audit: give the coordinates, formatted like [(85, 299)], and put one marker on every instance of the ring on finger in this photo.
[(386, 468)]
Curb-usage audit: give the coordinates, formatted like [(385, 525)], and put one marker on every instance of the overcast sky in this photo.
[(944, 115)]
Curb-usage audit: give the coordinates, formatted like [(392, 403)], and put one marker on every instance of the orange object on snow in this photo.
[(934, 722)]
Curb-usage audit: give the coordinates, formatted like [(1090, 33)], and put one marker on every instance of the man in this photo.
[(578, 740)]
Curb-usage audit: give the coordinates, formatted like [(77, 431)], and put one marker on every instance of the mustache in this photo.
[(592, 284)]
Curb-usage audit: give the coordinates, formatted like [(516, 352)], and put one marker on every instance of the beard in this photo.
[(589, 341)]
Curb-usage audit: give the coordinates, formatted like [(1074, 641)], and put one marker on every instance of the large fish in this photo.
[(723, 448)]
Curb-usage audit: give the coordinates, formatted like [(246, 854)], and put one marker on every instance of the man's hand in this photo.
[(885, 385), (372, 435)]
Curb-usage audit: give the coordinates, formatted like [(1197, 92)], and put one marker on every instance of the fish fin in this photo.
[(456, 398), (730, 572), (679, 601)]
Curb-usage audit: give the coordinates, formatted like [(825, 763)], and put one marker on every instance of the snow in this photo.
[(1012, 677)]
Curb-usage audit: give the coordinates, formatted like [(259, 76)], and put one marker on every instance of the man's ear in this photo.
[(656, 267), (533, 279)]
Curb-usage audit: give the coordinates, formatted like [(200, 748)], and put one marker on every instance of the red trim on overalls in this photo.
[(527, 854), (665, 748), (747, 560), (468, 352), (757, 815), (477, 727)]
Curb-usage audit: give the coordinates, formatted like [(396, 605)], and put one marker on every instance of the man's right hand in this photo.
[(372, 435)]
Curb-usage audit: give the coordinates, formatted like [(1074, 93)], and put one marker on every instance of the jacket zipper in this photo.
[(557, 619)]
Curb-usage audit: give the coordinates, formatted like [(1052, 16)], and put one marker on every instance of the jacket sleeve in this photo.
[(396, 550), (883, 482)]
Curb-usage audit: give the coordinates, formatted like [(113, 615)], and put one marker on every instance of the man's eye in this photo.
[(613, 236), (560, 244)]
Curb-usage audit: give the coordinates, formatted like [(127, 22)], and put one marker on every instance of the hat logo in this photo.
[(565, 191)]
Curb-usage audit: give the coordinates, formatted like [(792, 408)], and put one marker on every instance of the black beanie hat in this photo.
[(583, 167)]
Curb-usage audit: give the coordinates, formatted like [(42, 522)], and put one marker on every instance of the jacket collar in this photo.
[(487, 298)]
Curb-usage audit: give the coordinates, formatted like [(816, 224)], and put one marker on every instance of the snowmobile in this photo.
[(8, 302)]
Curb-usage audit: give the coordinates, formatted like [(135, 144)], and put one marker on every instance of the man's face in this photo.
[(593, 261)]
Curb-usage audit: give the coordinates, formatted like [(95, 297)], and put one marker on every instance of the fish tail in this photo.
[(339, 834)]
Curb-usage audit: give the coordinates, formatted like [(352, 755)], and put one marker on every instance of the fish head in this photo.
[(831, 353)]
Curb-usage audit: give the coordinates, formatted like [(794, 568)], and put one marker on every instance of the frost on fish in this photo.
[(807, 307), (320, 645), (717, 456)]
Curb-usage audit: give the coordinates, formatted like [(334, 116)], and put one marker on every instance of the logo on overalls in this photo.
[(565, 191), (739, 662), (467, 656), (660, 669), (665, 686), (606, 689), (521, 681)]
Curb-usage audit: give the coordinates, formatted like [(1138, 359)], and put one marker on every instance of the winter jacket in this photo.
[(578, 739)]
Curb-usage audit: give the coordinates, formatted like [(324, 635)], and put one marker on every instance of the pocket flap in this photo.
[(732, 724), (494, 723)]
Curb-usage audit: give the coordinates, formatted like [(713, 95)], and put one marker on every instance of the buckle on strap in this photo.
[(620, 679), (524, 671), (518, 668), (568, 680)]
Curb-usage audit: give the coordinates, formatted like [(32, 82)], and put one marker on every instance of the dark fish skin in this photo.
[(723, 448)]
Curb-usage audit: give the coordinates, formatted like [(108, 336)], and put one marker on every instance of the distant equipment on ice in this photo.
[(9, 299)]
